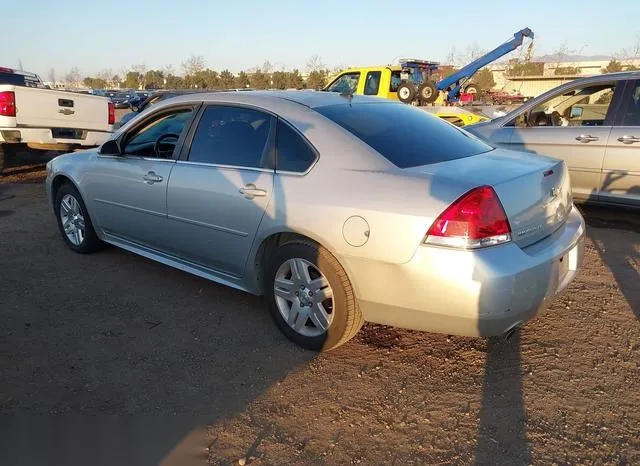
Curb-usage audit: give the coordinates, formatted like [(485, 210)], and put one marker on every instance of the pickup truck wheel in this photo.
[(428, 92), (310, 296), (6, 150), (406, 93), (1, 158), (74, 222)]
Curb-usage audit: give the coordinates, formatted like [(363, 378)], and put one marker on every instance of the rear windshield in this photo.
[(406, 136), (15, 79)]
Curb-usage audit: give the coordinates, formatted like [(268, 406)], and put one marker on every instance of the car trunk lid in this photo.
[(534, 191)]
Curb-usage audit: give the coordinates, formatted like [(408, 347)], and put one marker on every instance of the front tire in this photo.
[(310, 297), (74, 222)]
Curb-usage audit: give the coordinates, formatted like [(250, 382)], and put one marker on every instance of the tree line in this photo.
[(198, 75)]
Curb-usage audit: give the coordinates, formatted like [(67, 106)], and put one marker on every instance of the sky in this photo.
[(234, 34)]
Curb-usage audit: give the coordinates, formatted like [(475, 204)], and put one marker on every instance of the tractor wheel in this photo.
[(428, 92), (406, 93)]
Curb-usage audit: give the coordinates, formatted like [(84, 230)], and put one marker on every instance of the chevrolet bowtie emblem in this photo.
[(66, 111)]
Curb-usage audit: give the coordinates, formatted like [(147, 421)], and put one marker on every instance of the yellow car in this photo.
[(383, 81)]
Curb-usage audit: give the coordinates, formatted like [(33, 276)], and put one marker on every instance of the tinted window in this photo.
[(372, 83), (142, 141), (395, 81), (293, 154), (234, 136), (346, 83), (16, 79), (406, 136), (631, 108)]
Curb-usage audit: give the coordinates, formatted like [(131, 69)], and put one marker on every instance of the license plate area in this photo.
[(67, 133)]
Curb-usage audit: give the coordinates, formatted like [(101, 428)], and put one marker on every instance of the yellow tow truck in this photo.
[(384, 81)]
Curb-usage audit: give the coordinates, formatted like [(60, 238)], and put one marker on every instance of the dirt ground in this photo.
[(114, 359)]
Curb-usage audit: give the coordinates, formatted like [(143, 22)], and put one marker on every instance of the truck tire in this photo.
[(6, 150), (427, 92), (406, 93), (310, 296)]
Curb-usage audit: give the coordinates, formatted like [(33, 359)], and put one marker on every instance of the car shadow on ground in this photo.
[(128, 360), (622, 254)]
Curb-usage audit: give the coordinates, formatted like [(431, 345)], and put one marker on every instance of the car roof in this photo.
[(311, 99)]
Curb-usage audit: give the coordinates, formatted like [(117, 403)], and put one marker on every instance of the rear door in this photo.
[(219, 190), (45, 108), (572, 125), (620, 181)]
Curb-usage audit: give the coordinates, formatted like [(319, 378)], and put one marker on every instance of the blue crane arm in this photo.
[(470, 69)]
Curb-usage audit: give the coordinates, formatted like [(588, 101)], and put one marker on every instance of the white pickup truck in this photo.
[(40, 118)]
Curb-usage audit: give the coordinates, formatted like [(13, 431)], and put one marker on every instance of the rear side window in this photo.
[(406, 136), (17, 79), (372, 83), (293, 153)]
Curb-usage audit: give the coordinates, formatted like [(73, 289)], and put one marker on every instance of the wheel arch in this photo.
[(272, 242)]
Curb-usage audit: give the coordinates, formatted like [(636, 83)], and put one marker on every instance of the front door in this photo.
[(572, 125), (128, 192), (621, 170), (218, 195)]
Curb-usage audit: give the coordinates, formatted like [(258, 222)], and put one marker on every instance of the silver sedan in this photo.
[(338, 209)]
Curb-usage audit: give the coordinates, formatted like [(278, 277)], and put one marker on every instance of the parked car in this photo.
[(337, 209), (138, 106), (593, 124), (32, 115), (122, 99)]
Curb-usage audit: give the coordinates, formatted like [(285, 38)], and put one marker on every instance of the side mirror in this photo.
[(111, 147), (576, 112)]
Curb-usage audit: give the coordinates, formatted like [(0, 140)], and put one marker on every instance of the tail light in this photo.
[(475, 220), (7, 104), (112, 113)]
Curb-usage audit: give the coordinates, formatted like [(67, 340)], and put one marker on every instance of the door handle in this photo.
[(151, 178), (587, 138), (627, 139), (250, 191)]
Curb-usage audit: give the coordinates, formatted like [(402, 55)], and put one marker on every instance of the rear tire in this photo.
[(2, 156), (6, 151), (428, 92), (74, 222), (406, 93), (293, 299)]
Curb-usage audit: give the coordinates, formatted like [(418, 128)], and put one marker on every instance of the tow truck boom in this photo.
[(452, 84)]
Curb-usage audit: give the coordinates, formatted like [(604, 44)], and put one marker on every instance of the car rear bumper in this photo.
[(88, 138), (474, 293)]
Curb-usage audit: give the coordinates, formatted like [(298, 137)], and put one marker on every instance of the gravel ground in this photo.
[(113, 359)]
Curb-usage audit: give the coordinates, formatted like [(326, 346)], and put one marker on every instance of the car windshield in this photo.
[(406, 136)]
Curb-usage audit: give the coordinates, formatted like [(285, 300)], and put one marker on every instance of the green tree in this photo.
[(631, 68), (175, 82), (317, 79), (154, 79), (94, 83), (484, 79), (242, 80), (294, 80), (566, 71), (613, 66), (526, 69), (227, 79), (132, 80), (259, 80), (279, 80)]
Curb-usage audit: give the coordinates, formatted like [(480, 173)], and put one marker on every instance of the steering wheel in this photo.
[(157, 147)]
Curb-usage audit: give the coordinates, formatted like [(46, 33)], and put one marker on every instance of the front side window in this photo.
[(396, 80), (159, 136), (345, 84), (404, 135), (293, 153), (372, 83), (234, 136), (585, 106)]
